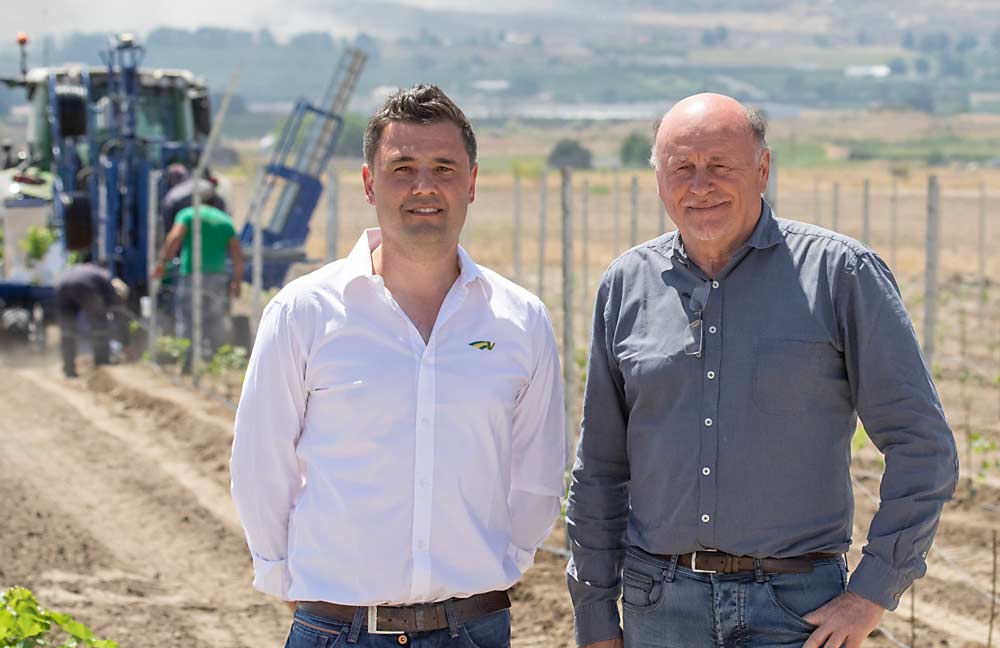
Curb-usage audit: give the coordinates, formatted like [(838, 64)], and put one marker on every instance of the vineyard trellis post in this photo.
[(817, 200), (982, 248), (634, 220), (332, 213), (542, 204), (585, 236), (616, 213), (835, 208), (866, 233), (931, 267), (153, 236), (517, 228), (893, 207), (569, 308)]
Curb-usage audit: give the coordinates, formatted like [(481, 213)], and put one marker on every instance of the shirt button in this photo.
[(715, 284), (710, 375), (705, 518), (403, 640), (706, 471), (896, 596), (712, 329), (708, 422), (420, 544), (923, 555)]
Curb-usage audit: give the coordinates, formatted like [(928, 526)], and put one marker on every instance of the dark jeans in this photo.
[(69, 305), (310, 631), (667, 605)]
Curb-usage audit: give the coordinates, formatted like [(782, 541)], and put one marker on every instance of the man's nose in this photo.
[(424, 182), (701, 182)]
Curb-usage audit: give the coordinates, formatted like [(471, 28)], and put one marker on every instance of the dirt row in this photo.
[(117, 509)]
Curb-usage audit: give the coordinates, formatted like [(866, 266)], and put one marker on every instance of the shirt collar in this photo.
[(358, 262)]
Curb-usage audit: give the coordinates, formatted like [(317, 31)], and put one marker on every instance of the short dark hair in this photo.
[(421, 104)]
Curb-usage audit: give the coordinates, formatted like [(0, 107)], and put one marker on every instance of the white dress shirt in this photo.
[(371, 468)]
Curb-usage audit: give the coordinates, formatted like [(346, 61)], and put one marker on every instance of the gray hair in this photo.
[(756, 118)]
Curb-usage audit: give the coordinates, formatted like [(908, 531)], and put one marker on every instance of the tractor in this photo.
[(98, 140)]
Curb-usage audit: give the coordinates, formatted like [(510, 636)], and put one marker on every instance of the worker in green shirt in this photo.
[(218, 239)]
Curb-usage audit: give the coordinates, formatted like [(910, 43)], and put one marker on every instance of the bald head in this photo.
[(710, 111), (711, 169)]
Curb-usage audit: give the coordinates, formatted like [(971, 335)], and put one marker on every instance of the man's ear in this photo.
[(764, 169), (369, 181), (472, 183)]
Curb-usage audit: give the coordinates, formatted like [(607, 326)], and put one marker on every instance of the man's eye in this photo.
[(401, 169), (444, 169)]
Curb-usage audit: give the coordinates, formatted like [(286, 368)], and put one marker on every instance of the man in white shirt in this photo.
[(399, 448)]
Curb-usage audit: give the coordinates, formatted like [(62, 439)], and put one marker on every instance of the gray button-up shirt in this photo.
[(745, 447)]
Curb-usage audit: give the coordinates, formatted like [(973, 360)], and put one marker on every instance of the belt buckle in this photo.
[(373, 623), (694, 565)]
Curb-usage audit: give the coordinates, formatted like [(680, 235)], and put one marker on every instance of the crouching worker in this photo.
[(89, 290)]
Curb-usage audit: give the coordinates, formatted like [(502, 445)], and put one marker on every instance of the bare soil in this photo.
[(115, 499)]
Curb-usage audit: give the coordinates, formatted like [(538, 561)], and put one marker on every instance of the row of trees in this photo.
[(941, 41), (633, 152)]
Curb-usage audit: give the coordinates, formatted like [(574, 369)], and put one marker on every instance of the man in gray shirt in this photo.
[(730, 362)]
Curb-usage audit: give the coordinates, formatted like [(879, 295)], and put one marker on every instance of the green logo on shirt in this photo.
[(483, 345)]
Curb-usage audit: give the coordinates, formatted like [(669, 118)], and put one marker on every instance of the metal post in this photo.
[(543, 200), (835, 208), (634, 229), (930, 287), (818, 218), (616, 212), (569, 347), (332, 213), (585, 224), (982, 241), (152, 245), (517, 228), (213, 136), (893, 206), (196, 285), (257, 267), (866, 234)]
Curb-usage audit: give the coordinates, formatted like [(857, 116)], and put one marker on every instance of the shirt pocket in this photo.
[(327, 401), (786, 375)]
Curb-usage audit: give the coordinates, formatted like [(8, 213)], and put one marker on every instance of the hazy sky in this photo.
[(282, 17)]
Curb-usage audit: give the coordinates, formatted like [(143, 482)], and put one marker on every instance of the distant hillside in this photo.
[(907, 54)]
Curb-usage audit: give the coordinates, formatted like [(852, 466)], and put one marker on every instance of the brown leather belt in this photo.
[(397, 619), (717, 562)]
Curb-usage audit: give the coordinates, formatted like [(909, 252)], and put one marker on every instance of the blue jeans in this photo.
[(666, 605), (214, 303), (311, 631)]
